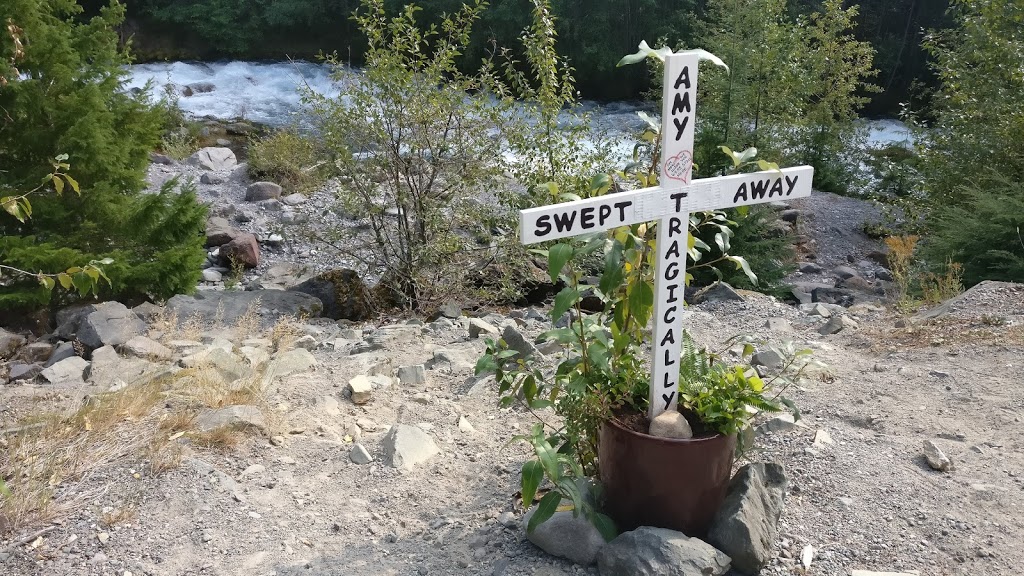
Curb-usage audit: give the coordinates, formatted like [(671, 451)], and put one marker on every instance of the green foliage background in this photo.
[(69, 101)]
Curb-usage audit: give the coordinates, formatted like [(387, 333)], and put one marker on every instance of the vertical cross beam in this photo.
[(676, 167)]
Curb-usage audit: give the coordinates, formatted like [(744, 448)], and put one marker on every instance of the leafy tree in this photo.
[(972, 155), (67, 98), (415, 141), (794, 90)]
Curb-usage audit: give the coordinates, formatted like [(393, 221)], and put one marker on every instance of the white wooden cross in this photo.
[(670, 204)]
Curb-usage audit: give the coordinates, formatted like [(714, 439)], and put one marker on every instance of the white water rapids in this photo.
[(268, 93)]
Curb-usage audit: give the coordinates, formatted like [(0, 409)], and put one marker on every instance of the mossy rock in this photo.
[(343, 293)]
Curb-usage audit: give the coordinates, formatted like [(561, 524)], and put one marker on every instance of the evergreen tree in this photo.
[(68, 98), (973, 156)]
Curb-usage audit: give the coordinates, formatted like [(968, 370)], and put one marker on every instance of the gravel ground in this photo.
[(866, 501)]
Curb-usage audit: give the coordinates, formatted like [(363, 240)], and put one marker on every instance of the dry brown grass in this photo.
[(192, 328), (285, 332), (119, 515), (47, 464), (249, 322), (223, 438)]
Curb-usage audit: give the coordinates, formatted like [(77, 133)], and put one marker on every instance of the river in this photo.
[(268, 93)]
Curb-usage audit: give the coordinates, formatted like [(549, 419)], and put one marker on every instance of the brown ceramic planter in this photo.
[(662, 482)]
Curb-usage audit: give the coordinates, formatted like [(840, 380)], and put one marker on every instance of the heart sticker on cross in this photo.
[(678, 167)]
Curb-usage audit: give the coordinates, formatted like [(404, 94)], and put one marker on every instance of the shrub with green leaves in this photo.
[(415, 143), (972, 155), (68, 99), (984, 230), (288, 158), (793, 90), (767, 247)]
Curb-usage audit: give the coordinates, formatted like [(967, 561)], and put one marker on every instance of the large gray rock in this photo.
[(226, 364), (747, 524), (219, 231), (269, 305), (239, 416), (343, 293), (38, 351), (68, 319), (214, 159), (67, 371), (406, 446), (9, 343), (258, 191), (110, 324), (518, 342), (22, 371), (287, 363), (717, 292), (650, 551), (565, 536), (62, 351), (146, 348)]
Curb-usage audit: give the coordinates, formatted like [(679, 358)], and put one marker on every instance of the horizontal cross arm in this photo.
[(646, 204)]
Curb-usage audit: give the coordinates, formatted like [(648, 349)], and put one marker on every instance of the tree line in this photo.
[(592, 34)]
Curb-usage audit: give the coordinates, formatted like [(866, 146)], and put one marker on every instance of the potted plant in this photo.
[(598, 392), (599, 395)]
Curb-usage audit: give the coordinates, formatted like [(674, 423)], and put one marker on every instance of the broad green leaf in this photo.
[(58, 184), (600, 184), (720, 242), (604, 525), (545, 509), (748, 155), (548, 459), (595, 241), (568, 197), (533, 473), (47, 282), (82, 283), (65, 280), (107, 261), (61, 157), (741, 264), (529, 387), (11, 206), (766, 165), (792, 407), (641, 299), (73, 183), (558, 255), (734, 156), (563, 301), (560, 335)]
